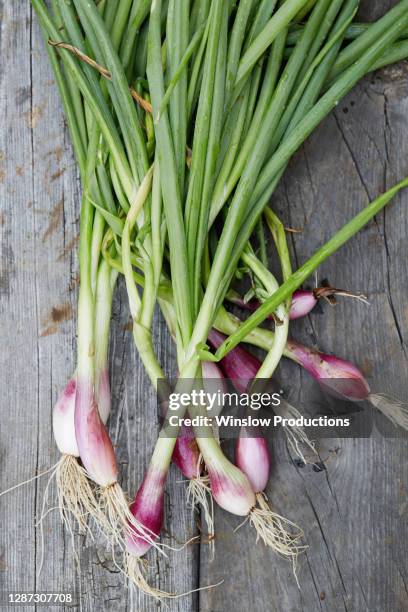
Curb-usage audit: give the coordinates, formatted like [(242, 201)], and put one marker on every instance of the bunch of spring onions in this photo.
[(183, 117)]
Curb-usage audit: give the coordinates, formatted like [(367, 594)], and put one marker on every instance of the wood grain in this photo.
[(354, 512)]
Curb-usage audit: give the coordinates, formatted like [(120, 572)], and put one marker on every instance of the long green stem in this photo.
[(195, 200), (118, 87), (182, 67), (78, 141), (278, 22), (338, 90), (170, 186), (359, 46), (139, 12), (236, 43), (235, 159), (309, 89), (257, 143), (214, 134), (270, 283), (177, 41), (143, 193), (141, 334)]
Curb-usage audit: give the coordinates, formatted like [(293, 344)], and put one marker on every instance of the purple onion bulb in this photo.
[(63, 420), (339, 377), (147, 508), (94, 444), (253, 458)]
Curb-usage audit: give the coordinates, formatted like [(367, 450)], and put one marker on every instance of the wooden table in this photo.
[(354, 512)]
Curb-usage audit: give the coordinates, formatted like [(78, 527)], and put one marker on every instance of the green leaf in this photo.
[(114, 222)]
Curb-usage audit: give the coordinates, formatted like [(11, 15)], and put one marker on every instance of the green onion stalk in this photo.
[(76, 497), (251, 444), (275, 531), (148, 502), (94, 446), (233, 491)]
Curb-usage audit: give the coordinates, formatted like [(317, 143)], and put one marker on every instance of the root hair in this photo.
[(277, 532), (296, 436), (135, 569), (76, 497), (199, 493), (395, 410)]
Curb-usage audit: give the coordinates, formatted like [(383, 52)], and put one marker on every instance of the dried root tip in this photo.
[(76, 497), (273, 531), (297, 437), (135, 569), (328, 293), (199, 493), (393, 409), (119, 519)]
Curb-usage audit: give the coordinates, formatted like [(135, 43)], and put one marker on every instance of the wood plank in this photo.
[(20, 366)]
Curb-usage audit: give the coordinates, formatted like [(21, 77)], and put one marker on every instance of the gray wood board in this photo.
[(354, 513)]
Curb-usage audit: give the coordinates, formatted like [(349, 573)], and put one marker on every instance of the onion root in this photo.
[(273, 530), (199, 493)]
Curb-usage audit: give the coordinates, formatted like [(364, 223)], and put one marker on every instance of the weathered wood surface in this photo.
[(355, 512)]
